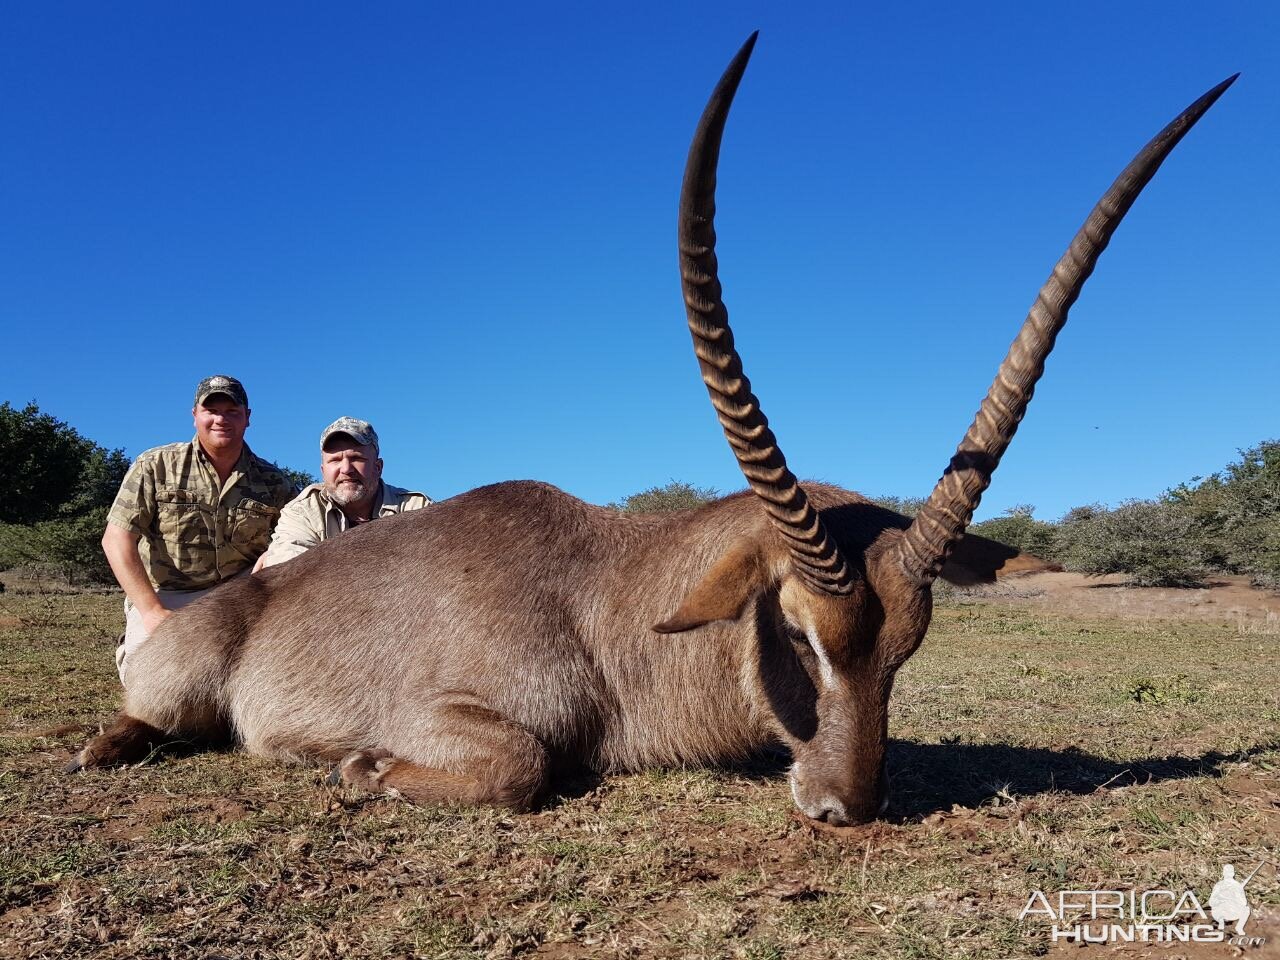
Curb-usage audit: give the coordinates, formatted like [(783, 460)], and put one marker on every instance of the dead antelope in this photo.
[(464, 652)]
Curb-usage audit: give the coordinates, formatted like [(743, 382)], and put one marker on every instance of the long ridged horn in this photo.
[(814, 554), (942, 520)]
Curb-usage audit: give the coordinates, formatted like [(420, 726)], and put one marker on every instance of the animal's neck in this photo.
[(680, 696)]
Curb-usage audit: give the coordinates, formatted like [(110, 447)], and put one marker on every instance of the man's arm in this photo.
[(121, 547), (407, 500), (131, 515), (300, 527)]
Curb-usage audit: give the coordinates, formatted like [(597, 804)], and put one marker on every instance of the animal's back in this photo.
[(484, 596), (516, 598)]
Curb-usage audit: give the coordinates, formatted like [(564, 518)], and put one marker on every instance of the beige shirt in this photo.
[(312, 517)]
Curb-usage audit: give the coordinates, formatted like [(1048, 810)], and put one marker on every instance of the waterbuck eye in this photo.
[(794, 633)]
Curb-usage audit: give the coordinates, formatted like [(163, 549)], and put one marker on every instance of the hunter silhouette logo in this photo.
[(1227, 902), (1148, 916)]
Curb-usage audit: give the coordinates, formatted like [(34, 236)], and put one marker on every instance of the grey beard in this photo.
[(345, 494)]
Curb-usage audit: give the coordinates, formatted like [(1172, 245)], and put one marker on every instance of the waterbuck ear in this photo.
[(724, 592), (976, 559)]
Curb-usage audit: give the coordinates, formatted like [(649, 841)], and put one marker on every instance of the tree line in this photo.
[(58, 486), (1228, 522)]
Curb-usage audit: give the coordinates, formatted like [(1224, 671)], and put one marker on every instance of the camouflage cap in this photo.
[(218, 383), (361, 431)]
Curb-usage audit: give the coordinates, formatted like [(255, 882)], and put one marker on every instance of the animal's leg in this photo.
[(149, 720), (466, 754), (127, 740)]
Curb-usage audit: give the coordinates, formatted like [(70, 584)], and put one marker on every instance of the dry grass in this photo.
[(1030, 751)]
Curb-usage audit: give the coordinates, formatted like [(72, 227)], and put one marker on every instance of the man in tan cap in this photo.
[(190, 516), (351, 492)]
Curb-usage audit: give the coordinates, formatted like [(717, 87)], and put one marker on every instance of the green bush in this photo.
[(1156, 542), (1019, 529), (907, 506), (58, 485), (299, 478), (1238, 512), (674, 496), (68, 549)]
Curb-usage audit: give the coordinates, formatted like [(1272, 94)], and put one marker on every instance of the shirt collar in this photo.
[(242, 465)]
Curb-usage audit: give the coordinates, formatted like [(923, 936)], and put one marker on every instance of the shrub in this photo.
[(1238, 511), (68, 549), (1019, 529), (299, 478), (907, 506), (676, 495), (1157, 542), (58, 487)]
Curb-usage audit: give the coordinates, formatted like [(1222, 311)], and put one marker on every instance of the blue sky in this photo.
[(458, 221)]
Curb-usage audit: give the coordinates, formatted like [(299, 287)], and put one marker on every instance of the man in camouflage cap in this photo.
[(190, 516), (352, 492)]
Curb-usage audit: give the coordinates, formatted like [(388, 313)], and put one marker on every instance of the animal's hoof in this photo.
[(75, 764), (361, 768)]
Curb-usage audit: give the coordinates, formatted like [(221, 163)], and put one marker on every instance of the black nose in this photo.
[(832, 816), (839, 815)]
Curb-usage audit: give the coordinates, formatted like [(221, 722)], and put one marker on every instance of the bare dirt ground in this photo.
[(1224, 598), (1051, 735)]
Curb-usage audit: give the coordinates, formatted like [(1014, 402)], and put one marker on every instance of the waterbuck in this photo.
[(460, 653)]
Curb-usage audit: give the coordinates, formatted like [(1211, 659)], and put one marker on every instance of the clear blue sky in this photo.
[(458, 221)]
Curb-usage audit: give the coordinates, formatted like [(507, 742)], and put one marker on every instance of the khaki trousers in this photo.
[(135, 634)]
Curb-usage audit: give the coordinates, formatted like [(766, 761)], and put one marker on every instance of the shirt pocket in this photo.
[(251, 524), (181, 517)]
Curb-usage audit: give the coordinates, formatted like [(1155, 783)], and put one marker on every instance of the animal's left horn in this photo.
[(942, 520), (814, 554)]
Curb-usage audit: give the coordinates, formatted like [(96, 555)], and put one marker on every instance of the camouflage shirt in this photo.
[(197, 532)]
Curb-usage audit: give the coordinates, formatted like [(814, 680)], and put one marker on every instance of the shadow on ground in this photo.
[(929, 777)]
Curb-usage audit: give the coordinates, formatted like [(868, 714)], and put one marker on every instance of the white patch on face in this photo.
[(825, 671), (824, 662)]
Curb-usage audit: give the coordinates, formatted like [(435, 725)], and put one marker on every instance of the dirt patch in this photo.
[(1229, 599)]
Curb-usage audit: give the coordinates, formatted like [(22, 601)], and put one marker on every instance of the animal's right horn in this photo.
[(942, 520), (814, 554)]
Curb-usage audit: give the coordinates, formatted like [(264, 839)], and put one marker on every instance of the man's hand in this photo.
[(153, 618), (121, 548)]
